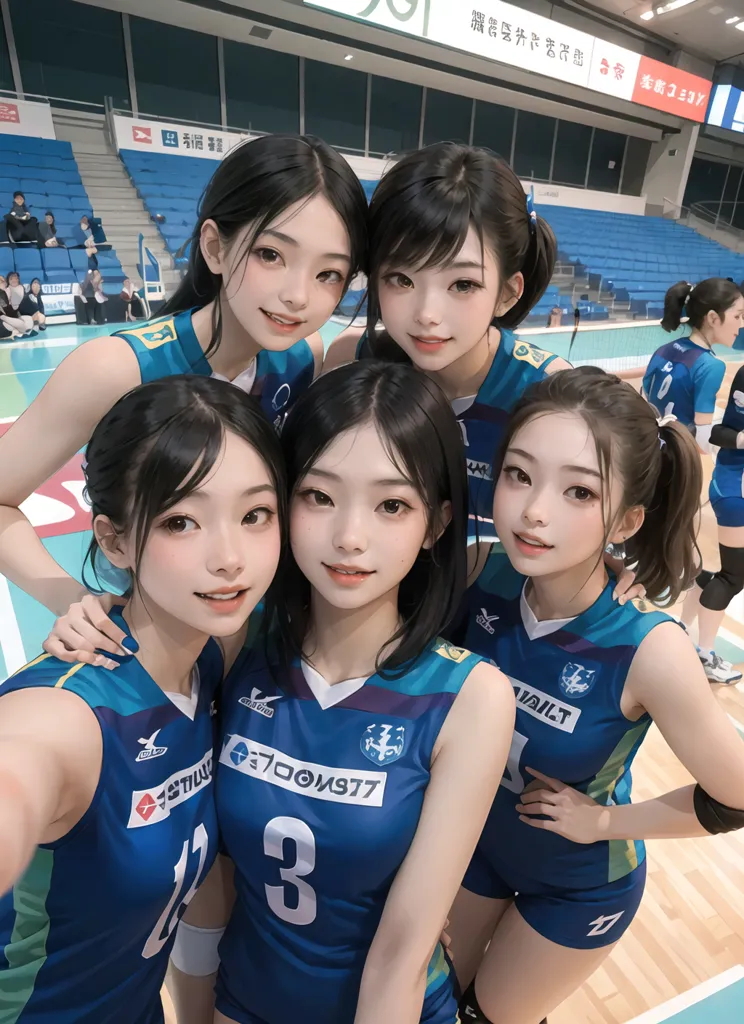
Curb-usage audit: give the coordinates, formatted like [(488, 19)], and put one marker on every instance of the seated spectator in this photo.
[(555, 316), (5, 332), (16, 291), (21, 226), (16, 318), (133, 303), (90, 305), (33, 304), (83, 239), (48, 232)]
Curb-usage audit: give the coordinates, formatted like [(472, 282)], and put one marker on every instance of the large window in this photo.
[(335, 104), (262, 87), (175, 71), (705, 183), (395, 116), (70, 50), (447, 117), (494, 128), (533, 147), (571, 153), (730, 192), (6, 74), (606, 164)]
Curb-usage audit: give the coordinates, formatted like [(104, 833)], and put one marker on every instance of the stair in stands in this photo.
[(112, 195)]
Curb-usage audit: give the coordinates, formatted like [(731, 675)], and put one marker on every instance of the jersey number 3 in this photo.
[(305, 904)]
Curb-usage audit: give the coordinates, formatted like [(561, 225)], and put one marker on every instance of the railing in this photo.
[(56, 101), (706, 218), (153, 286)]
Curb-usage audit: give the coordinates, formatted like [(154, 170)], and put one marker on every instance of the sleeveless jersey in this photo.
[(683, 378), (318, 808), (169, 346), (86, 933), (568, 683), (516, 365)]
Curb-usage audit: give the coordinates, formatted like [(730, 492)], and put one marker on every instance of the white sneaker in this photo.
[(717, 670)]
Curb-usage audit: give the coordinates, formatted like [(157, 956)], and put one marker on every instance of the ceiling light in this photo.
[(647, 16), (733, 21), (349, 56), (673, 5), (740, 26)]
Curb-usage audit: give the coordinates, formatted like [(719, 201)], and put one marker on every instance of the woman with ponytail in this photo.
[(682, 380), (559, 871), (458, 258), (281, 232)]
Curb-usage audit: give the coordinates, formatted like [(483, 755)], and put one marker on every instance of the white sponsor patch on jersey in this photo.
[(544, 707), (319, 781), (152, 805)]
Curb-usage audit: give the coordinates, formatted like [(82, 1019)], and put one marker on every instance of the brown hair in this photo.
[(659, 467)]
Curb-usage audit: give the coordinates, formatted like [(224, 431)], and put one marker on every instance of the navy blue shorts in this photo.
[(577, 918), (728, 508)]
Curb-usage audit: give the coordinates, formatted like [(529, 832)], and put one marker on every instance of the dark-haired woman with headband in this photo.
[(682, 380), (281, 231)]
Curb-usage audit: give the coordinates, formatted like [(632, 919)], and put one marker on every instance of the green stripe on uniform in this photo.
[(26, 951)]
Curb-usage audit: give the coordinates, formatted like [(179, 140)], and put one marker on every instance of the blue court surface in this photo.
[(717, 1001)]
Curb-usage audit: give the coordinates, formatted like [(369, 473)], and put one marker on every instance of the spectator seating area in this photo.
[(638, 258), (634, 258), (46, 172)]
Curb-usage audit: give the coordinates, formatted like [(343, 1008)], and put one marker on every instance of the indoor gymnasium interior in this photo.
[(629, 141)]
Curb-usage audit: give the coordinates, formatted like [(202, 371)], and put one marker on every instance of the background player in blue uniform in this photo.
[(281, 232), (393, 739), (106, 810), (559, 871), (683, 377), (457, 260)]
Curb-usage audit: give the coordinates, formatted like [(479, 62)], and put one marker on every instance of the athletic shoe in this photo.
[(717, 670)]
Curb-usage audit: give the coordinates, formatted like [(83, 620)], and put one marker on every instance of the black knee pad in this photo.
[(469, 1009), (727, 582), (470, 1012), (703, 578)]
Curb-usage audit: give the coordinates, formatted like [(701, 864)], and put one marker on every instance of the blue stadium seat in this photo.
[(55, 259), (27, 260)]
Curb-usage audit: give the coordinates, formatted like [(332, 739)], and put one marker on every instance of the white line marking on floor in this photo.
[(19, 373), (694, 995), (8, 419), (11, 641)]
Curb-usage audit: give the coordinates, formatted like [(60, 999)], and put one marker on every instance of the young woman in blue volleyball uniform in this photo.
[(281, 232), (457, 259), (683, 379), (559, 871), (355, 778), (107, 814)]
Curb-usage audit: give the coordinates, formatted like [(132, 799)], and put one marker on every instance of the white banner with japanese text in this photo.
[(159, 137)]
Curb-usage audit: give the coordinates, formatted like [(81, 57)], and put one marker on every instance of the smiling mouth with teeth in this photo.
[(282, 321), (221, 597)]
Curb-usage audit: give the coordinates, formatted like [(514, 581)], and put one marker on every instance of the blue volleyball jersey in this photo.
[(169, 346), (682, 379), (516, 365), (568, 684), (727, 481), (318, 808), (86, 933)]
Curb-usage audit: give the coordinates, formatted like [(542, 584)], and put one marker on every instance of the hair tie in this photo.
[(531, 210), (661, 422)]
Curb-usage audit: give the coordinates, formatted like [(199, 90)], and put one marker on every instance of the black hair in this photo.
[(716, 293), (34, 280), (158, 444), (254, 184), (425, 204), (422, 437), (16, 194), (48, 213), (13, 273), (659, 467)]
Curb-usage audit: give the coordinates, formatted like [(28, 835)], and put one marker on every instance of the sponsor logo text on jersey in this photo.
[(480, 470), (319, 781), (484, 620), (258, 703), (152, 805), (544, 707), (150, 750)]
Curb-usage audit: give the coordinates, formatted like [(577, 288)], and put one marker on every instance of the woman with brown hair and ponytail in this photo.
[(559, 871), (682, 380)]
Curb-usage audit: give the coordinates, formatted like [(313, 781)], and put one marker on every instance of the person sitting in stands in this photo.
[(132, 301), (83, 237), (21, 226), (48, 232)]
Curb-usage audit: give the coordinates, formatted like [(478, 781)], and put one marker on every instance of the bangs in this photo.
[(424, 227)]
